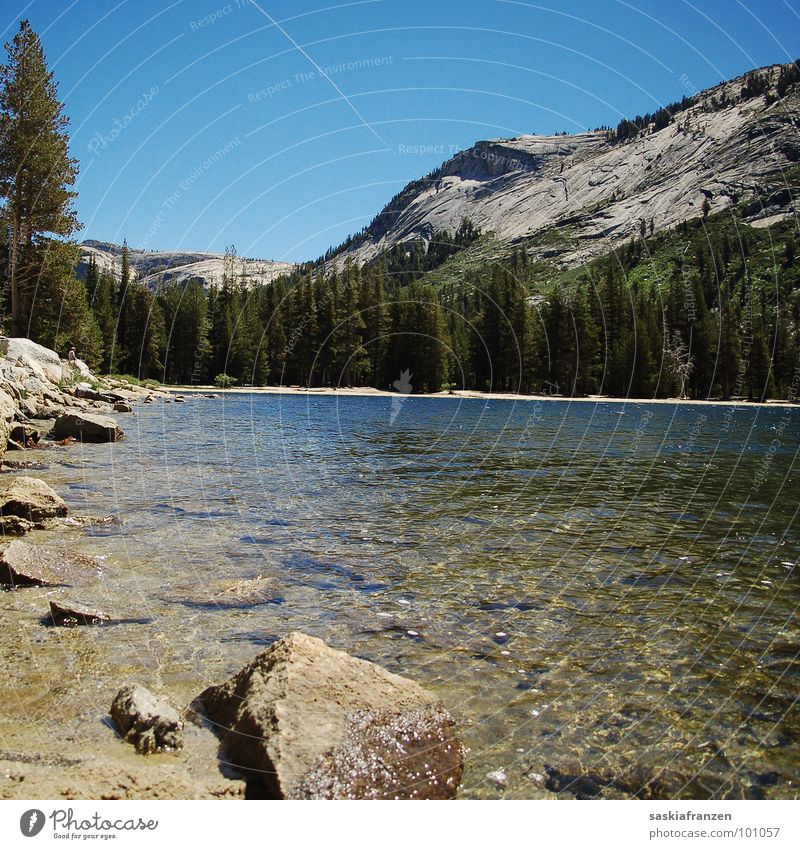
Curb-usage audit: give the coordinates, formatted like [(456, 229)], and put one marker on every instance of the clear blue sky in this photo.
[(200, 123)]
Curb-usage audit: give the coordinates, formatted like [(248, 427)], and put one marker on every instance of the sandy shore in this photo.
[(368, 391)]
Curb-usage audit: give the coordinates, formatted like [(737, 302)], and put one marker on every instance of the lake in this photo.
[(601, 588)]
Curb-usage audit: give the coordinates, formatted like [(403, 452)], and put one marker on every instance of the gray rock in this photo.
[(87, 427), (42, 361), (87, 393), (8, 411), (148, 722), (122, 407), (22, 564), (28, 408), (31, 499), (307, 721), (70, 614)]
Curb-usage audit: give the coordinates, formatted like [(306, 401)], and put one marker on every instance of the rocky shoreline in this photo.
[(301, 720)]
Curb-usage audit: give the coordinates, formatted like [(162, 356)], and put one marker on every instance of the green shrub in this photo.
[(224, 381)]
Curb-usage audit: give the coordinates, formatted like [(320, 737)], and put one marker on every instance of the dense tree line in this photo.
[(710, 310)]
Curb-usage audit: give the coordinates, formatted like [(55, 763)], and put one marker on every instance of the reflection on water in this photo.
[(599, 588)]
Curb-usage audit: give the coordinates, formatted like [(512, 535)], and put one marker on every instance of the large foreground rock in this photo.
[(22, 563), (309, 722), (145, 720), (31, 499), (87, 428)]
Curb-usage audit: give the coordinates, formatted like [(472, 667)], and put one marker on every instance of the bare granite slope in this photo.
[(594, 193), (152, 267)]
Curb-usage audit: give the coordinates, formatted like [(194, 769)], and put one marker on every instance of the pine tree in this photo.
[(36, 170), (103, 307)]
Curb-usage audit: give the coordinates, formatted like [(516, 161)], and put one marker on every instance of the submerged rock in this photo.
[(309, 722), (229, 593), (70, 614), (87, 427), (31, 499), (22, 563), (148, 722)]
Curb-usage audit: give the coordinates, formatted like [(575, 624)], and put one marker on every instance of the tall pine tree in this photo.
[(36, 170)]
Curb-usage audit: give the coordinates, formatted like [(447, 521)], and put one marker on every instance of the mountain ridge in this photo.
[(722, 145), (155, 267)]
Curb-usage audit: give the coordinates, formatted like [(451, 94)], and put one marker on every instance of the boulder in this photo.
[(85, 390), (84, 370), (148, 722), (46, 361), (24, 564), (69, 614), (308, 722), (122, 407), (23, 436), (13, 526), (8, 410), (87, 427), (31, 499), (28, 408)]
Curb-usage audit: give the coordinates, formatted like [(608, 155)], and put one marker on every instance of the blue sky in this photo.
[(283, 126)]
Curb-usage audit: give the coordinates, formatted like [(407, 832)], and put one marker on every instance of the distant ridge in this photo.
[(152, 267)]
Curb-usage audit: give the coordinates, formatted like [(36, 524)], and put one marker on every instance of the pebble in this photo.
[(498, 777)]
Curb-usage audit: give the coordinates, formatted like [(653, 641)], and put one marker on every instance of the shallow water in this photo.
[(597, 587)]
